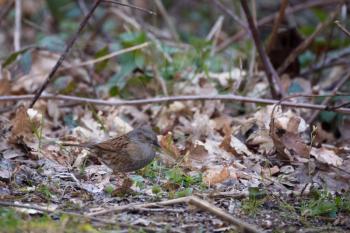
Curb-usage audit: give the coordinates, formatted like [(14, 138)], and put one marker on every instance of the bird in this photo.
[(128, 152)]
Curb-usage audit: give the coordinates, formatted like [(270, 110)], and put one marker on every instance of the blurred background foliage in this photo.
[(48, 24)]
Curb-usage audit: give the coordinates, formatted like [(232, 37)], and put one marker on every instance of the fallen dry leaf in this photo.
[(22, 127), (216, 175), (326, 156), (286, 134), (270, 171), (169, 147), (198, 155)]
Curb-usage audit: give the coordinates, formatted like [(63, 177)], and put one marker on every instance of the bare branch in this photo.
[(272, 76), (342, 28), (290, 10), (306, 43), (65, 53), (131, 6), (193, 200), (276, 25), (328, 98), (183, 98)]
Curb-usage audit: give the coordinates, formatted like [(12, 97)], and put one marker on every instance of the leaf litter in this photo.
[(229, 153), (207, 149)]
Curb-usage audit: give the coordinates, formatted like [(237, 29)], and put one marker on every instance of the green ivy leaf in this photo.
[(53, 43), (13, 56), (25, 62)]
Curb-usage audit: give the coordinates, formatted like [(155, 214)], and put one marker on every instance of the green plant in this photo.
[(109, 189), (139, 181), (254, 201), (156, 189), (9, 220), (152, 170), (323, 203), (44, 190), (38, 129), (177, 176), (184, 192)]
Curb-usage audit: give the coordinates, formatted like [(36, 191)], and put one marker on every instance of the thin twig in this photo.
[(328, 98), (215, 33), (332, 60), (230, 13), (281, 101), (338, 106), (4, 10), (252, 58), (46, 210), (243, 226), (137, 26), (167, 19), (215, 29), (160, 80), (342, 28), (127, 19), (183, 98), (273, 36), (131, 206), (84, 9), (18, 25), (66, 51), (290, 10), (306, 43), (108, 56), (202, 204), (131, 6), (92, 218), (272, 76), (229, 194)]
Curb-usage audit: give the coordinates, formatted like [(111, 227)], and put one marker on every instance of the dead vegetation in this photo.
[(253, 127)]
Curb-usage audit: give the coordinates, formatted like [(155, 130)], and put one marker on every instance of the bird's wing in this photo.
[(112, 145)]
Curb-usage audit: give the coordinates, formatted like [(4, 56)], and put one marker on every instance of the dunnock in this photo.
[(128, 152)]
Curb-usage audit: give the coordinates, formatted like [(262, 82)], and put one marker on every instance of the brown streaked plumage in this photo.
[(128, 152)]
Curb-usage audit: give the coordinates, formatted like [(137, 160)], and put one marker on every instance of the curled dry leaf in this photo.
[(326, 156), (201, 125), (54, 153), (255, 131), (198, 155), (91, 131), (287, 138), (80, 155), (222, 122), (169, 147), (261, 139), (233, 145), (22, 127), (270, 171), (216, 174), (116, 125)]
